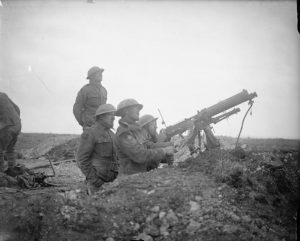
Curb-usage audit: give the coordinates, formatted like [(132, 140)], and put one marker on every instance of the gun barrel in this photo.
[(230, 102), (221, 117)]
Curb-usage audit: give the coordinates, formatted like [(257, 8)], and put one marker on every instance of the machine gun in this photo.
[(205, 117)]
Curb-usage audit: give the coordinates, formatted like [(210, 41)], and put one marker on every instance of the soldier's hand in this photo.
[(162, 136), (169, 150)]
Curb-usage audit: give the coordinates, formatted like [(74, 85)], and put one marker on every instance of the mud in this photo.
[(247, 194)]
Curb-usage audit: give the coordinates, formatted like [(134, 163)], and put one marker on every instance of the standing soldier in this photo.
[(89, 98), (96, 154), (10, 128), (134, 156)]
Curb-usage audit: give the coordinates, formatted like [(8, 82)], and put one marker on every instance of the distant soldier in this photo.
[(134, 156), (10, 128), (89, 98), (96, 154), (149, 131)]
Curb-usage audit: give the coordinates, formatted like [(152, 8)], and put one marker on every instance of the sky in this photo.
[(176, 56)]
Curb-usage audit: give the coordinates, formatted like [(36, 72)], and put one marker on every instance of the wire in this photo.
[(237, 141)]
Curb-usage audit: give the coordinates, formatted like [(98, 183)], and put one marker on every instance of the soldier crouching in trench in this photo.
[(10, 128), (96, 154), (149, 131), (133, 154)]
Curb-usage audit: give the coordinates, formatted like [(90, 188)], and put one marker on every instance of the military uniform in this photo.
[(96, 155), (133, 154), (152, 143), (10, 128), (88, 99)]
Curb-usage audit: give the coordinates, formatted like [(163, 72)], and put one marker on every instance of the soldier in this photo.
[(10, 128), (134, 156), (149, 131), (149, 127), (96, 154), (89, 98)]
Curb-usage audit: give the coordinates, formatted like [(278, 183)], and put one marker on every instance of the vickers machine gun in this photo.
[(205, 117)]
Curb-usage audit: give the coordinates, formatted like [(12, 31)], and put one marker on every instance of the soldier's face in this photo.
[(152, 126), (108, 119), (133, 113), (97, 77)]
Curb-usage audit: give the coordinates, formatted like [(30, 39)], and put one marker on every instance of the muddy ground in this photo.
[(245, 194)]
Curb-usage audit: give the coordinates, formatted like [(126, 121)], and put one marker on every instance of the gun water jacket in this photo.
[(96, 154), (133, 154), (88, 99)]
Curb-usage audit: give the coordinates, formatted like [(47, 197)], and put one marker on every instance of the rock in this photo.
[(246, 218), (109, 239), (136, 227), (244, 146), (71, 195), (164, 230), (258, 197), (151, 217), (152, 230), (233, 216), (192, 227), (261, 199), (155, 209), (219, 216), (194, 206), (171, 217), (144, 237), (162, 214), (230, 228), (276, 163), (198, 198)]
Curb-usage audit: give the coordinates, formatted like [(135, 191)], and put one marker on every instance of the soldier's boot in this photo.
[(2, 162)]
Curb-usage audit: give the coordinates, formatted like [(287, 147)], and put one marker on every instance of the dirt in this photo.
[(248, 193)]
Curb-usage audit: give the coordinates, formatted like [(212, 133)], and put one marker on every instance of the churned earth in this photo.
[(248, 193)]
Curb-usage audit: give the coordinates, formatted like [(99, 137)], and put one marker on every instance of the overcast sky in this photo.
[(178, 56)]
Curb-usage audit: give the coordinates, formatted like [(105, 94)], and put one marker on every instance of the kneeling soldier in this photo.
[(96, 154)]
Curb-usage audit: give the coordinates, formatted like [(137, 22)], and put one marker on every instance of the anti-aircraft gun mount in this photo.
[(204, 118)]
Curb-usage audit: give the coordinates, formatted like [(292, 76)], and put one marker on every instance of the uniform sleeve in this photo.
[(137, 152), (103, 95), (78, 107), (17, 109), (84, 152), (9, 114), (153, 145)]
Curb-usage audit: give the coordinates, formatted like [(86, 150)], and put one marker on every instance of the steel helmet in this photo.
[(93, 71), (127, 103), (104, 109), (145, 119)]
